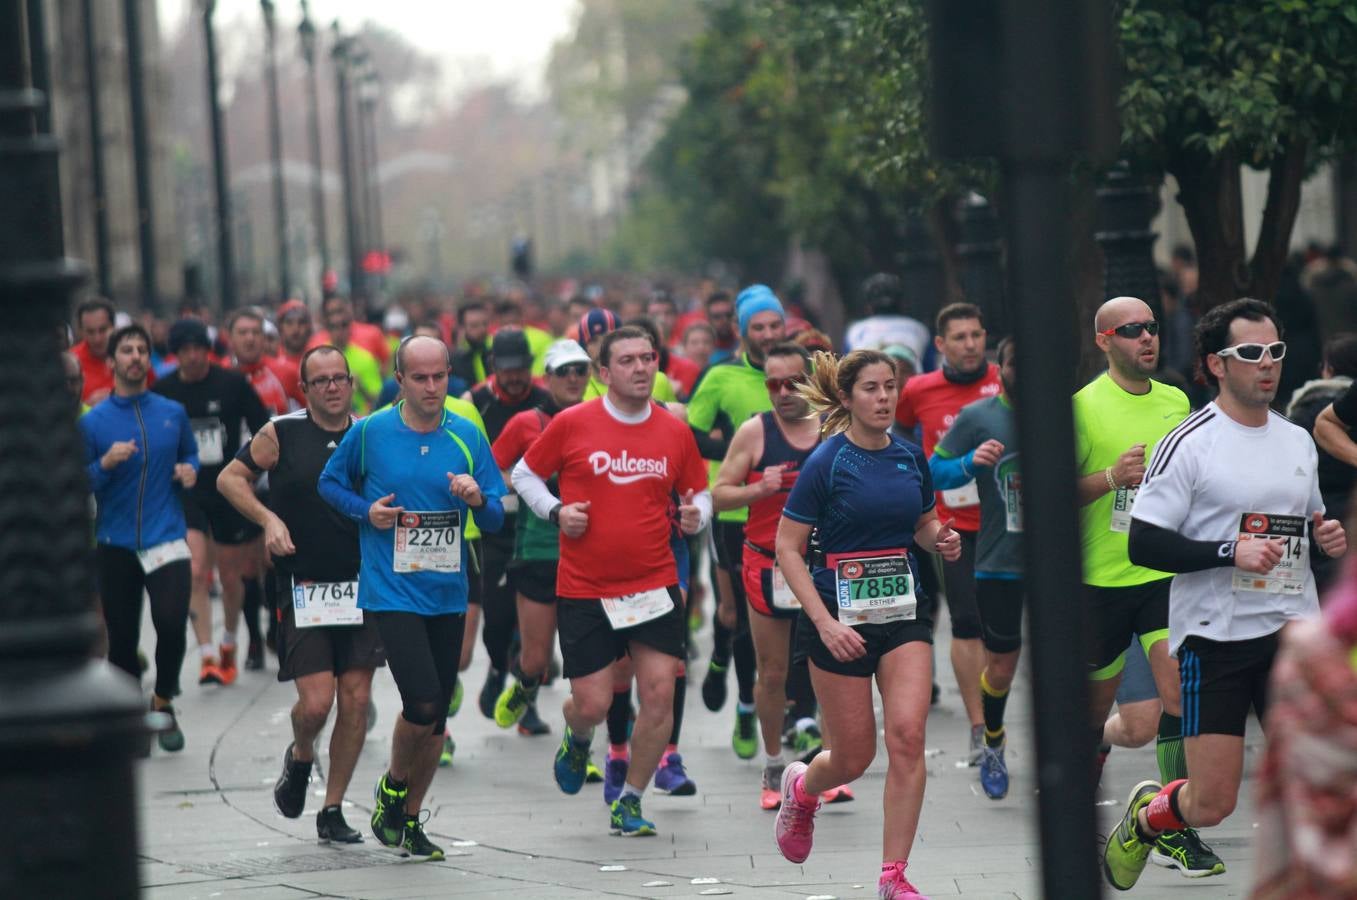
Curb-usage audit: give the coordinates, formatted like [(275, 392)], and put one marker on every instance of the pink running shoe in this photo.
[(894, 885), (795, 828)]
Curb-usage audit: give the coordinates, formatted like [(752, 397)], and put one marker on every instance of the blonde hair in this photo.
[(833, 375)]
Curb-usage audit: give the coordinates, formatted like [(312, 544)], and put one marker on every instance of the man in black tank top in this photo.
[(327, 648)]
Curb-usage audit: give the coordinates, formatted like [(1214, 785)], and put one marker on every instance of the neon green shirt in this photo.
[(735, 388), (1107, 421), (367, 377), (538, 342)]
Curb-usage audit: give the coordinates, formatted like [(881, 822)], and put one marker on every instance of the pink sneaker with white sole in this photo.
[(894, 885), (795, 828)]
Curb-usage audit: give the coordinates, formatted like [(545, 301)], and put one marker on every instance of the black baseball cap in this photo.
[(188, 331), (510, 350)]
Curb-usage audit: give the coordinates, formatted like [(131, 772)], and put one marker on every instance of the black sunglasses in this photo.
[(1132, 330), (576, 369)]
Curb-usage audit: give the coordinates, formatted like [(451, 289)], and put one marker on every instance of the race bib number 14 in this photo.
[(1289, 575)]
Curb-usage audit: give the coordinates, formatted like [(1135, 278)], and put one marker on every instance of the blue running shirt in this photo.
[(861, 500)]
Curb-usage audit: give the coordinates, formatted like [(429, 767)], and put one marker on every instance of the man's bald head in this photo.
[(1120, 310), (421, 349)]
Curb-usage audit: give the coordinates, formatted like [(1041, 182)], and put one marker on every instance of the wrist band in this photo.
[(1111, 482)]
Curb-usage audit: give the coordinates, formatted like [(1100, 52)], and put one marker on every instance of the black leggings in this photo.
[(121, 582), (499, 606), (423, 653)]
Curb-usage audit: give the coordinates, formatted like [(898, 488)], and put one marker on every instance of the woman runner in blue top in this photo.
[(869, 495)]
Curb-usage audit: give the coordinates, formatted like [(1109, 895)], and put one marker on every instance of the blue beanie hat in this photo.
[(755, 299)]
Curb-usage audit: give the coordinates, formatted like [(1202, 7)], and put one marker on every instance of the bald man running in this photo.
[(1120, 419)]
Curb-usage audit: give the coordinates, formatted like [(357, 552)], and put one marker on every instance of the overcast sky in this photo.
[(477, 40)]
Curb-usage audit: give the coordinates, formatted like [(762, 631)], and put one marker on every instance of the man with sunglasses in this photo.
[(1231, 503), (328, 649), (759, 470), (1121, 418), (728, 395), (536, 541), (931, 402)]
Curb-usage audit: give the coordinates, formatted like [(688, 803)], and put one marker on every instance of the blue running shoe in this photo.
[(993, 772), (614, 777), (670, 778), (627, 820), (571, 759)]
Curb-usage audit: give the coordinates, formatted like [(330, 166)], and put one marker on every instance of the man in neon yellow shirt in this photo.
[(366, 370), (1120, 418)]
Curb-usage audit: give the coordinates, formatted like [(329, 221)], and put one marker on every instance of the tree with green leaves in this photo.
[(1270, 84)]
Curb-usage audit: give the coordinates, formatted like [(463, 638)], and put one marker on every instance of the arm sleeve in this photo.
[(490, 516), (246, 458), (98, 477), (950, 472), (338, 479), (1345, 407), (702, 500), (188, 444), (1168, 551), (533, 491), (708, 446), (695, 479)]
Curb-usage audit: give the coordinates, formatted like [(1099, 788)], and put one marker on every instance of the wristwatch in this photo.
[(555, 514)]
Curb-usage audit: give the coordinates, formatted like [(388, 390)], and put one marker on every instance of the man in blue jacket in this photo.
[(140, 453), (409, 475)]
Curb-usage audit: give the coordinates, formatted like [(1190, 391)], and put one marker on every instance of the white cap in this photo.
[(395, 320), (564, 352)]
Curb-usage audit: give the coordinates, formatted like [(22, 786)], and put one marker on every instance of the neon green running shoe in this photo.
[(388, 812), (745, 738), (449, 748), (592, 773), (1185, 851), (1125, 854), (511, 704), (455, 703), (416, 843)]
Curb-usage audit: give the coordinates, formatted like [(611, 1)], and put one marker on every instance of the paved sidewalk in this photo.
[(209, 829)]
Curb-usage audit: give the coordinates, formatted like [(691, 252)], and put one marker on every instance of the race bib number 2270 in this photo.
[(428, 542)]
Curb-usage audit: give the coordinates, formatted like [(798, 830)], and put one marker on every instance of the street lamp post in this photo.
[(69, 725), (100, 204), (307, 32), (226, 264), (369, 89), (276, 148), (141, 155), (343, 47)]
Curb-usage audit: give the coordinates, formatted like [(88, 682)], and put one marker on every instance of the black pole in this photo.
[(363, 172), (307, 32), (276, 148), (141, 155), (92, 85), (226, 263), (375, 163), (69, 726), (340, 55), (37, 48)]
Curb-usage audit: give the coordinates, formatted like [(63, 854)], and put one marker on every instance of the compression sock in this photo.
[(993, 701), (254, 600), (680, 693), (1168, 749), (619, 717), (745, 667), (722, 638)]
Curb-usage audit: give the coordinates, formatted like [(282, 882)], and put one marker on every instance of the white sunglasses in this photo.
[(1253, 353)]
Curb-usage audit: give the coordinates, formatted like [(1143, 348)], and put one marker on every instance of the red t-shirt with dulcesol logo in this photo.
[(629, 474)]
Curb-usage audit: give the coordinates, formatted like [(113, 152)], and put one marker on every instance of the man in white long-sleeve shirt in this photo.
[(617, 581)]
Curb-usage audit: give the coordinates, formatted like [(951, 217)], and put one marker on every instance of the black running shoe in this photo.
[(490, 691), (531, 723), (289, 793), (330, 826), (254, 657), (714, 687), (416, 842)]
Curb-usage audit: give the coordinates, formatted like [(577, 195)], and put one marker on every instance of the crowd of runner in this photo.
[(555, 474)]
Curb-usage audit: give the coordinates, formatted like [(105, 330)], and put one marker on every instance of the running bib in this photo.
[(873, 590), (782, 597), (1122, 501), (428, 542), (962, 497), (320, 603), (210, 434), (1288, 577), (162, 555), (1012, 487), (638, 608)]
